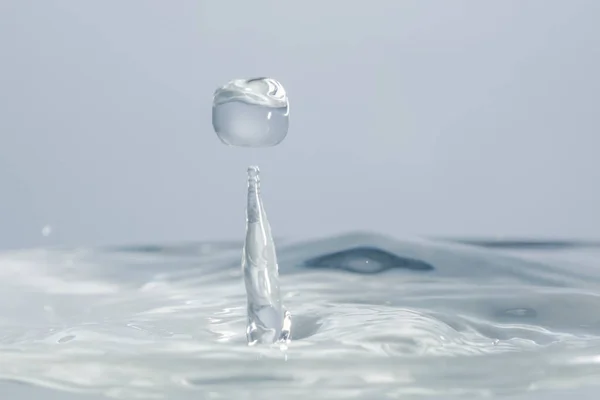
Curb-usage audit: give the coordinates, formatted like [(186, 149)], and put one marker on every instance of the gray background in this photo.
[(407, 117)]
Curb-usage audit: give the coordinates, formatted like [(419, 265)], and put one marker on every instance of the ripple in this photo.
[(168, 322)]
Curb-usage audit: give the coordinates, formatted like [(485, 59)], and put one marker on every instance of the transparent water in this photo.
[(251, 112), (268, 320), (374, 318)]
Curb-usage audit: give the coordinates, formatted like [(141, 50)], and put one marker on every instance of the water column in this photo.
[(255, 113)]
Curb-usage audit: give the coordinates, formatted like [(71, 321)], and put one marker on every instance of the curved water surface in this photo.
[(374, 317)]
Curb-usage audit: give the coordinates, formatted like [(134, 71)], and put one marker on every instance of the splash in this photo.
[(268, 320)]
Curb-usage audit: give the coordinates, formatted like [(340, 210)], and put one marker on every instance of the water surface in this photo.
[(374, 317)]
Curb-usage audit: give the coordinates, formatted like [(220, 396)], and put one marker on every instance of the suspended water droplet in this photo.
[(251, 112), (46, 230)]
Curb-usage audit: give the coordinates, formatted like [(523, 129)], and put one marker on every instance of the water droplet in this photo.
[(251, 112), (46, 230), (253, 172)]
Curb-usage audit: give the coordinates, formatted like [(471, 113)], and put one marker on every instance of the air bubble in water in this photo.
[(251, 112)]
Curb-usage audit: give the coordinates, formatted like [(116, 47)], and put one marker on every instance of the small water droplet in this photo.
[(251, 112), (46, 230)]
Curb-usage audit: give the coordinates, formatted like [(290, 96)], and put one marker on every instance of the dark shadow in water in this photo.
[(366, 260), (178, 249), (516, 313), (527, 244), (247, 379)]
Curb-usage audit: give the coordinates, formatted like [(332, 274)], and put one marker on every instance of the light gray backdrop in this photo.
[(412, 117)]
